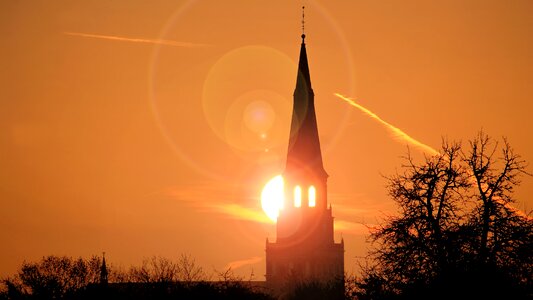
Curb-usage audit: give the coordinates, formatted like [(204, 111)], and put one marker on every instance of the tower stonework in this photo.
[(304, 250)]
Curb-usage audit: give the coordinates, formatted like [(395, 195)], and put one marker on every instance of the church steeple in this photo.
[(305, 247), (103, 271), (304, 157)]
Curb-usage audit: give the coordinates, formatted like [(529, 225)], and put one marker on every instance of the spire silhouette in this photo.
[(305, 243), (304, 157), (103, 271)]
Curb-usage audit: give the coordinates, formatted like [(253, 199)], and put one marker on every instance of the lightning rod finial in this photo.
[(303, 23)]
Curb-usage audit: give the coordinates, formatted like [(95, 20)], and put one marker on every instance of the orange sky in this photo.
[(146, 128)]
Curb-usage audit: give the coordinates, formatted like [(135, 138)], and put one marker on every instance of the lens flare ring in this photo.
[(180, 14)]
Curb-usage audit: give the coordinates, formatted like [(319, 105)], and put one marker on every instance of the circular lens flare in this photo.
[(272, 197)]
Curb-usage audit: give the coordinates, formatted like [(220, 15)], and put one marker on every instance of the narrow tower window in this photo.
[(312, 196), (297, 196)]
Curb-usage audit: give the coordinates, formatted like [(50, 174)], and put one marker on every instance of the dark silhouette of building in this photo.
[(103, 272), (304, 250)]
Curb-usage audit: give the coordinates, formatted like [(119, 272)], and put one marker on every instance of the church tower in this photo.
[(304, 250)]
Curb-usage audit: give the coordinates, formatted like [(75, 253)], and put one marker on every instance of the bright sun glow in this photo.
[(272, 197)]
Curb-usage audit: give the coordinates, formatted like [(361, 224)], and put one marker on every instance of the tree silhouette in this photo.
[(53, 277), (156, 278), (456, 228), (154, 270), (499, 236), (188, 270)]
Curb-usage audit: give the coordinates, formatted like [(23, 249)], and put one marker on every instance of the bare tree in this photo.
[(414, 246), (163, 270), (155, 270), (53, 277), (456, 224), (500, 234), (188, 270)]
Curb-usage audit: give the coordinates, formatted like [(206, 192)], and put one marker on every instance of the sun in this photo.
[(272, 197)]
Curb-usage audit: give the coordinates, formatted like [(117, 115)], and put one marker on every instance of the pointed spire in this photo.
[(103, 271), (304, 157), (303, 81)]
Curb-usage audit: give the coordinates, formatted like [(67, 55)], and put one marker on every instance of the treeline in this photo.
[(57, 277)]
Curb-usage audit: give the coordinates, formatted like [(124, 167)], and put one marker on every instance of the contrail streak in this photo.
[(244, 262), (136, 40), (395, 130), (400, 134)]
